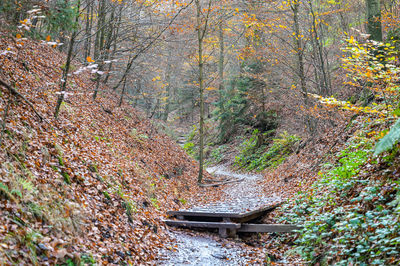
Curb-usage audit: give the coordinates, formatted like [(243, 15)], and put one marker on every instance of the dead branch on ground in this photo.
[(17, 94)]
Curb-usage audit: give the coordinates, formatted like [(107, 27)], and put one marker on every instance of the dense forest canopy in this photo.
[(305, 92)]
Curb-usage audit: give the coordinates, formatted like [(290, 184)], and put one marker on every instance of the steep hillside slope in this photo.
[(90, 186)]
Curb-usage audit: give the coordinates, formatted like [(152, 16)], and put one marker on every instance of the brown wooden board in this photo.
[(226, 225), (268, 228), (236, 227), (221, 213)]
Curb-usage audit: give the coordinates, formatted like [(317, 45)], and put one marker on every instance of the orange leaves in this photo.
[(373, 63), (156, 78), (89, 59), (351, 40), (390, 19)]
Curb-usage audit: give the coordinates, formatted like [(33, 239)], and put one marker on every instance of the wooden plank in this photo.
[(202, 214), (268, 228), (197, 213), (202, 224), (263, 209), (255, 214)]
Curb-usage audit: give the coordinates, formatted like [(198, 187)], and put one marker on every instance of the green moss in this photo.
[(154, 202), (107, 195), (87, 259), (60, 161), (66, 177), (183, 201)]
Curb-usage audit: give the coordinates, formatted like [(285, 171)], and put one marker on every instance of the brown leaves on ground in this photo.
[(97, 180)]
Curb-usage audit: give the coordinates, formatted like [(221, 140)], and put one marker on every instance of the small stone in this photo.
[(219, 256), (121, 254)]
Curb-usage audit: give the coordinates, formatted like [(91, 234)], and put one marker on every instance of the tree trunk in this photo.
[(316, 38), (221, 63), (299, 50), (168, 80), (98, 46), (67, 65), (88, 28), (374, 27), (200, 37), (122, 94), (115, 38), (138, 90), (300, 61)]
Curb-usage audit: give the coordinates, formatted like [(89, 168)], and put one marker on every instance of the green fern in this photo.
[(26, 184), (5, 191), (17, 192), (388, 141)]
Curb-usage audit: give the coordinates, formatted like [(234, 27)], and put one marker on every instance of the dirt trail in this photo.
[(208, 249), (250, 188)]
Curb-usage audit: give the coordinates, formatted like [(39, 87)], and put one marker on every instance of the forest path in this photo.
[(194, 248)]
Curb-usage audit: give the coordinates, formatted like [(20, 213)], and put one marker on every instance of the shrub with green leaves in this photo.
[(346, 217), (248, 151), (189, 147), (388, 141), (192, 134), (61, 18), (217, 154)]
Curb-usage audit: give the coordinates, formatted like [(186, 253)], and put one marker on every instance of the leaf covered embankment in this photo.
[(350, 215), (92, 185)]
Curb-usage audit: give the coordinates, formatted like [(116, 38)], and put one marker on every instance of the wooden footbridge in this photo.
[(230, 217)]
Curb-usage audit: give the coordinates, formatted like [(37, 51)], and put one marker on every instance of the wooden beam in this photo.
[(268, 228), (189, 213), (202, 224), (209, 213)]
